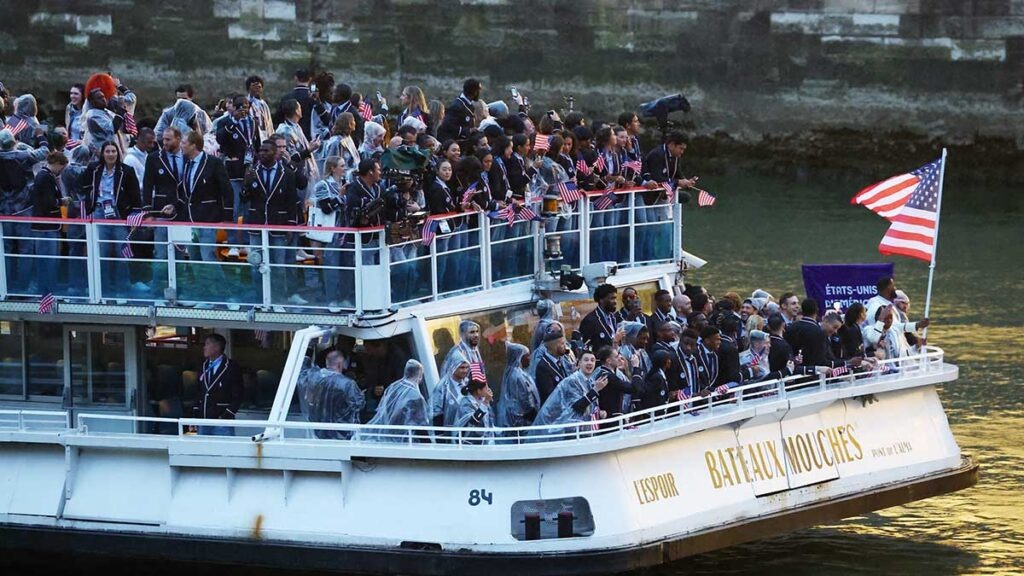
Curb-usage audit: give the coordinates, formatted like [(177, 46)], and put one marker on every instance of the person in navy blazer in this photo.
[(111, 191), (206, 197), (220, 387)]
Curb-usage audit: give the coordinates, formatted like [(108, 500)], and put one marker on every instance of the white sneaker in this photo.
[(278, 309), (297, 300), (140, 287), (233, 253), (234, 306), (334, 307), (301, 255)]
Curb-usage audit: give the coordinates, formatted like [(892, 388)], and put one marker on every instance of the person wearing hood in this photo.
[(186, 116), (23, 123), (444, 398), (16, 163), (474, 411), (552, 362), (549, 312), (574, 400), (467, 349), (373, 141), (402, 405), (103, 115), (520, 399), (635, 340), (331, 396)]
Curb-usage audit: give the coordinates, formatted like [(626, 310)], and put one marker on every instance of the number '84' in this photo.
[(475, 496)]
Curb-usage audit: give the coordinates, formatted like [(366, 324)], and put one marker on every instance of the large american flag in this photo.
[(912, 229), (888, 197)]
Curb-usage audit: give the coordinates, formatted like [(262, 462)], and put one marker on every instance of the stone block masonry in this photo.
[(755, 70)]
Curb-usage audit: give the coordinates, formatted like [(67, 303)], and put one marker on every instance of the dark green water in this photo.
[(759, 234)]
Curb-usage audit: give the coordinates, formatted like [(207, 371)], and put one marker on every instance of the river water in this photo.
[(757, 236)]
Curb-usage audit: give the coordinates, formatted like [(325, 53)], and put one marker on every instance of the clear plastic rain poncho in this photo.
[(549, 312), (402, 405), (462, 350), (568, 404), (538, 353), (444, 399), (331, 396), (468, 407), (520, 399), (629, 347)]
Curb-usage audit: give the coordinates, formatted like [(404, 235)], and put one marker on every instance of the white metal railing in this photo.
[(638, 424), (209, 264), (34, 420)]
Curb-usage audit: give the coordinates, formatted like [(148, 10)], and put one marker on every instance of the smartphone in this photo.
[(515, 93), (379, 97)]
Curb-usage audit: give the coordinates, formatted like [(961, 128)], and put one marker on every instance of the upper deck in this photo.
[(183, 273)]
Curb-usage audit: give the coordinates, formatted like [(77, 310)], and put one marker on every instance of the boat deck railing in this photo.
[(239, 266), (699, 412)]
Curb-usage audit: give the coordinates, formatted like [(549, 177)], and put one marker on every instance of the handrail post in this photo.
[(485, 250), (358, 248), (266, 270), (433, 267), (677, 231), (3, 266), (172, 262), (632, 229), (584, 231), (93, 262)]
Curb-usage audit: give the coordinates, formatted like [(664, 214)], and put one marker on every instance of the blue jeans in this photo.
[(216, 431), (339, 285), (113, 267), (240, 210), (209, 278), (48, 245)]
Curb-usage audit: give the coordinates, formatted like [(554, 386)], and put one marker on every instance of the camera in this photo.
[(597, 273)]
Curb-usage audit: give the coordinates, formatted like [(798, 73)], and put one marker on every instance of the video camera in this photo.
[(405, 163), (660, 109)]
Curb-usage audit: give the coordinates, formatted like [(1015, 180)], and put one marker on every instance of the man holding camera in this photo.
[(365, 205)]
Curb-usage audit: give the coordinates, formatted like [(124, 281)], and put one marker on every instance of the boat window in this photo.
[(516, 324), (97, 367), (11, 383), (373, 364), (261, 354), (172, 360), (45, 350)]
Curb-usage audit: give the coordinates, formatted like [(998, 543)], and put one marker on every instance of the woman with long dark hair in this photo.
[(112, 193)]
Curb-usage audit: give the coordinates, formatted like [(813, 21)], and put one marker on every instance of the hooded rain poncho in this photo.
[(520, 399), (570, 403), (401, 405)]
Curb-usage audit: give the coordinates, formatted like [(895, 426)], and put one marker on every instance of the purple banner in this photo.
[(843, 283)]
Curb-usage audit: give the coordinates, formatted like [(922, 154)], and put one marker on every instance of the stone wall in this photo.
[(775, 74)]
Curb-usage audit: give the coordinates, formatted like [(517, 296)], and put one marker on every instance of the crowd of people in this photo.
[(622, 361), (324, 155)]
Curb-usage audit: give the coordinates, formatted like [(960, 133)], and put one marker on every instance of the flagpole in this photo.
[(935, 243)]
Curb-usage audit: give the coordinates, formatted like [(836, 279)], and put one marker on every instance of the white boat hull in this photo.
[(655, 494)]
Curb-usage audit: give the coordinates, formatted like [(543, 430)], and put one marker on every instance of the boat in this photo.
[(96, 454)]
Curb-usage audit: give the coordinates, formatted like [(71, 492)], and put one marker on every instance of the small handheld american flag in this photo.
[(541, 142), (129, 124), (840, 371), (476, 372), (126, 250), (429, 230), (670, 192), (606, 200), (583, 168), (704, 199), (47, 304), (134, 220), (569, 192), (600, 163), (17, 128), (634, 165), (365, 110), (468, 195)]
